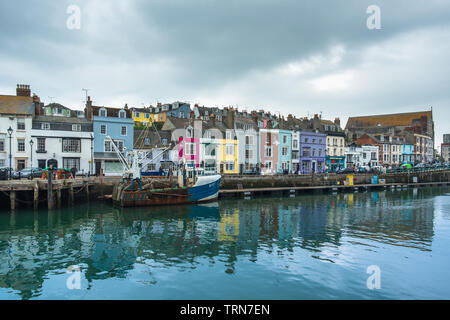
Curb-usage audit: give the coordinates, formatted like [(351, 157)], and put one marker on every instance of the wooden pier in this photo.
[(36, 191)]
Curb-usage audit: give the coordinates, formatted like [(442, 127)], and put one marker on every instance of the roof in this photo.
[(141, 134), (110, 112), (178, 123), (16, 105), (395, 119), (61, 119)]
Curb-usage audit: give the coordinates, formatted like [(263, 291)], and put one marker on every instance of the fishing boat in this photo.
[(179, 188), (153, 193)]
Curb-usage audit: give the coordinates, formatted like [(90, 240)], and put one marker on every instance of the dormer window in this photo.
[(122, 114), (103, 113)]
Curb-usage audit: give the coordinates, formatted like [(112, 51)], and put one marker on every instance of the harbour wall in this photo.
[(34, 193)]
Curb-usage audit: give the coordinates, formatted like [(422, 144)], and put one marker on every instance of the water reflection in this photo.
[(109, 242)]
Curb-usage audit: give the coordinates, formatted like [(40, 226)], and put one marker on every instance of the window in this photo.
[(306, 140), (284, 139), (103, 129), (122, 114), (147, 116), (123, 131), (137, 114), (20, 145), (181, 114), (284, 151), (249, 140), (295, 144), (189, 132), (147, 141), (268, 151), (164, 141), (40, 145), (2, 162), (189, 149), (76, 127), (320, 152), (229, 135), (2, 144), (313, 152), (306, 152), (229, 166), (45, 126), (229, 150), (268, 164), (69, 163), (166, 155), (71, 145), (248, 154), (109, 147), (102, 113), (20, 124)]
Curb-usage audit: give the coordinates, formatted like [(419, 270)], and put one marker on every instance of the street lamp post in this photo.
[(31, 148), (10, 131)]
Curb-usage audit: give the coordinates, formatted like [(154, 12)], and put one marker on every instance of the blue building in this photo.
[(312, 152), (285, 151), (116, 123), (408, 155), (179, 110)]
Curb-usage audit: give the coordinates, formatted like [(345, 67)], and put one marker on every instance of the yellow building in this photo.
[(142, 116), (228, 156)]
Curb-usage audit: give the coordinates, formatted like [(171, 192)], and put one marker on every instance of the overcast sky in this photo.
[(299, 57)]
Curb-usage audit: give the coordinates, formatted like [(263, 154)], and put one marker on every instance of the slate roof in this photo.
[(110, 112), (16, 105), (395, 119), (73, 120)]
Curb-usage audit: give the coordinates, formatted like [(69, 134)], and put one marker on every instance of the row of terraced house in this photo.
[(205, 139)]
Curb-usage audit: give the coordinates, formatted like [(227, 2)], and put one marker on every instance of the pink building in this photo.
[(269, 142), (189, 150)]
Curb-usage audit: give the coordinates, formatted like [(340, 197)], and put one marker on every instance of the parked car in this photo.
[(346, 171), (28, 173)]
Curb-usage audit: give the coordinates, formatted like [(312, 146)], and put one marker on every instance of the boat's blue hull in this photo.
[(204, 192)]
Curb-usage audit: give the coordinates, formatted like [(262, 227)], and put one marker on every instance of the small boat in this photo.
[(129, 194)]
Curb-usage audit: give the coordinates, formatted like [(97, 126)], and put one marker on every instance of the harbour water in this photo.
[(310, 246)]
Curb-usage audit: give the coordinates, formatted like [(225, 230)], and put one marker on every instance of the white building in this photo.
[(16, 112), (361, 156), (65, 142), (295, 151)]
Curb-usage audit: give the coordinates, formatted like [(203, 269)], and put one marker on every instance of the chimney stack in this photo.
[(337, 122), (88, 112), (23, 90)]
